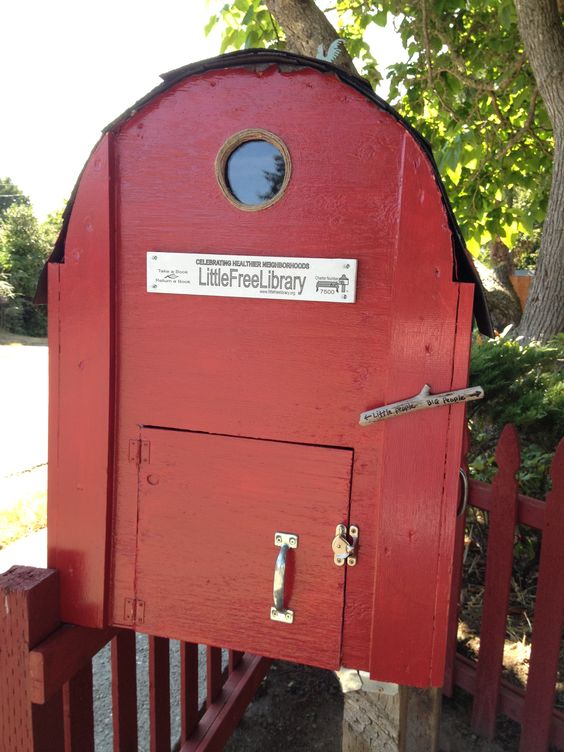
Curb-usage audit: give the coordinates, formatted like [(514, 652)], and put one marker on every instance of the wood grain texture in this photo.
[(267, 369), (209, 507), (454, 459), (79, 434), (499, 563), (29, 613), (548, 620), (58, 658), (414, 546), (124, 692)]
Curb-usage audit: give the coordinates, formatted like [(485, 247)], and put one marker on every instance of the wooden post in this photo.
[(405, 721), (29, 612), (499, 567)]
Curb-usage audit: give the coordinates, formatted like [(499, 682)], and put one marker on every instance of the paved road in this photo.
[(23, 407)]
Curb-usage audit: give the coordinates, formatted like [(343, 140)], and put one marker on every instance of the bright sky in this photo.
[(71, 66)]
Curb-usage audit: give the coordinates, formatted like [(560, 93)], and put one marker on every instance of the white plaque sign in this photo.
[(235, 276)]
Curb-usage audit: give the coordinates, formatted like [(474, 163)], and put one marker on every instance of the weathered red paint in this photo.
[(542, 723), (289, 374), (503, 519)]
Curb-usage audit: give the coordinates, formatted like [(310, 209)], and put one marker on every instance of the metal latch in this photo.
[(343, 549)]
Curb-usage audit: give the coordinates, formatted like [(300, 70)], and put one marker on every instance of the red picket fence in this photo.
[(533, 708), (46, 697)]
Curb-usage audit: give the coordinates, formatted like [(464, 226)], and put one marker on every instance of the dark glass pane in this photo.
[(255, 172)]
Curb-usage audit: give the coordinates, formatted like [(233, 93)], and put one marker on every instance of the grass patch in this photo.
[(9, 338), (23, 504)]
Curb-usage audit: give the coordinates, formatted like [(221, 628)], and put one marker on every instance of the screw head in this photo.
[(288, 617), (278, 539), (292, 541), (154, 258)]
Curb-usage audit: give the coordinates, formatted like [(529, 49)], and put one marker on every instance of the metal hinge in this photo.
[(134, 611), (139, 451), (343, 549)]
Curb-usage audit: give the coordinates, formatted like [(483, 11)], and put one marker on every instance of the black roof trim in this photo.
[(464, 270)]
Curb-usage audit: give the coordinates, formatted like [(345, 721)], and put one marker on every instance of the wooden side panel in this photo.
[(548, 621), (457, 428), (413, 545), (80, 395), (501, 538)]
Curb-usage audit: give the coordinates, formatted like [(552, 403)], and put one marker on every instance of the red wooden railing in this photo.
[(46, 698), (541, 722)]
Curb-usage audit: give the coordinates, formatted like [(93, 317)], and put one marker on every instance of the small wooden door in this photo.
[(209, 508)]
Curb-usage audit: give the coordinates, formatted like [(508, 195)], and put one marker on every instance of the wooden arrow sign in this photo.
[(422, 401)]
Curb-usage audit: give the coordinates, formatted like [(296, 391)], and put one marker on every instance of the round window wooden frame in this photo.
[(232, 143)]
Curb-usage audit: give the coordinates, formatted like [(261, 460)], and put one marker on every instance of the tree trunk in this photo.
[(306, 27), (543, 36)]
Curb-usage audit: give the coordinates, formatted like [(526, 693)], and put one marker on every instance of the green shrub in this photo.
[(523, 385)]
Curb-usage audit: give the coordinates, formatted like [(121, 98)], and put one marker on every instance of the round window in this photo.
[(253, 169)]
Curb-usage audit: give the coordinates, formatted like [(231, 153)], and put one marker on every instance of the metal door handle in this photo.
[(285, 541)]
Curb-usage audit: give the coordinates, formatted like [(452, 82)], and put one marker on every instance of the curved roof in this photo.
[(464, 270)]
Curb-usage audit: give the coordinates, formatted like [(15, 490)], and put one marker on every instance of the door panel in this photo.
[(209, 507)]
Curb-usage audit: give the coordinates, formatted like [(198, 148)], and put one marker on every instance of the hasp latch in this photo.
[(343, 548)]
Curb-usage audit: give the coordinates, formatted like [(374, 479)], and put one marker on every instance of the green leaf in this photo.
[(210, 24), (248, 15)]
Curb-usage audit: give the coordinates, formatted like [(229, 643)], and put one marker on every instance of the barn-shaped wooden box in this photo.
[(256, 253)]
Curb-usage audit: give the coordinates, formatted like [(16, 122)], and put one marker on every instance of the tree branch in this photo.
[(306, 27)]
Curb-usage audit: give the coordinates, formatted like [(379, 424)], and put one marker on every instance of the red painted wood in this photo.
[(79, 435), (159, 694), (124, 692), (454, 460), (56, 660), (511, 698), (414, 544), (29, 613), (271, 370), (214, 674), (189, 701), (501, 537), (234, 659), (244, 490), (78, 711), (529, 511), (548, 619), (454, 608), (221, 718)]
